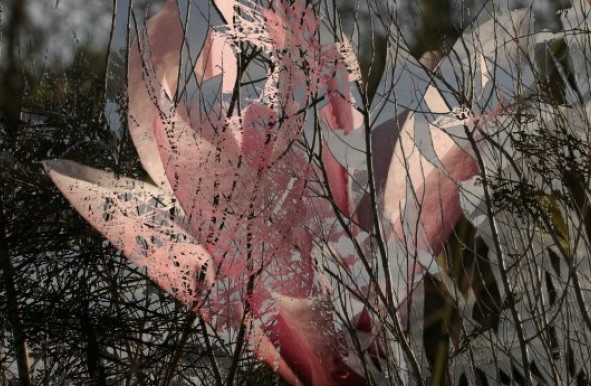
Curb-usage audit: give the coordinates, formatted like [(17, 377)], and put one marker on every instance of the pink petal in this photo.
[(384, 139), (135, 217), (164, 33), (434, 199), (217, 58), (275, 28), (226, 9), (258, 135), (154, 69), (199, 170), (305, 337), (343, 70), (266, 352), (340, 112)]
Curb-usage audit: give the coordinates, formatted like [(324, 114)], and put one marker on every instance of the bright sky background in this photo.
[(55, 29)]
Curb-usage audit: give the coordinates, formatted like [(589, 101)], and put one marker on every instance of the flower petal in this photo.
[(154, 71), (205, 175), (136, 218), (340, 112), (145, 84), (304, 335), (383, 142), (268, 353), (422, 196)]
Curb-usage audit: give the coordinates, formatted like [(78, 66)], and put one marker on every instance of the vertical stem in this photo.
[(439, 376), (212, 357), (11, 94), (9, 278), (180, 348), (500, 259)]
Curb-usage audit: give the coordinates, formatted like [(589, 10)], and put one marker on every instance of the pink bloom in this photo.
[(229, 224), (231, 220)]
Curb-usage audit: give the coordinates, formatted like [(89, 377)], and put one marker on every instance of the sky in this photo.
[(55, 29), (58, 28)]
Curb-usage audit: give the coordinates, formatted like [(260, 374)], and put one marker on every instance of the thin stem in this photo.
[(500, 259)]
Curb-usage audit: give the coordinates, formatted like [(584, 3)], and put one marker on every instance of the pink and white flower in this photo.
[(230, 222)]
